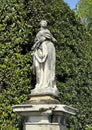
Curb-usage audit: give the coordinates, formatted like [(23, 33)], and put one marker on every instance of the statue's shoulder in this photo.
[(47, 30), (43, 33), (39, 33)]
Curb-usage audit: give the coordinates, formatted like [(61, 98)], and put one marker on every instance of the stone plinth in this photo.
[(49, 126), (44, 116), (45, 91)]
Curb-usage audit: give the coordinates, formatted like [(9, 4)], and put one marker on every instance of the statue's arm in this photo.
[(49, 36), (52, 38), (38, 42)]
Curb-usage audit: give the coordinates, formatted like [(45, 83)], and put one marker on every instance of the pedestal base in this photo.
[(44, 116), (54, 126), (43, 99)]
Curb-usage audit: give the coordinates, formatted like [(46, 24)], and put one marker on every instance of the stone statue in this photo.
[(44, 58)]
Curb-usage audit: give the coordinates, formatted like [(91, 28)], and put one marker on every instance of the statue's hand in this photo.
[(42, 39), (54, 40), (32, 47)]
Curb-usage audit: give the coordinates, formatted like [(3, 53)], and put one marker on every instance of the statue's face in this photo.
[(43, 23)]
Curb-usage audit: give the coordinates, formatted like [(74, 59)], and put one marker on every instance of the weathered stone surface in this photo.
[(39, 109), (42, 99), (44, 116), (45, 91), (54, 126)]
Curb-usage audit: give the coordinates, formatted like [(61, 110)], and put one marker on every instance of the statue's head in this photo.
[(43, 23)]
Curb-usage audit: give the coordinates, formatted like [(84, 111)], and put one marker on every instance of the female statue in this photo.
[(44, 58)]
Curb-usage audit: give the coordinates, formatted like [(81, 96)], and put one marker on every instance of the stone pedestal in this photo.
[(43, 111), (44, 116), (29, 126)]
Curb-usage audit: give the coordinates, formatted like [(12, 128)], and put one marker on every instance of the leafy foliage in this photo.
[(84, 7), (19, 25), (89, 127)]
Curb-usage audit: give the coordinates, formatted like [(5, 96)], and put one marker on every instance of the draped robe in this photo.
[(44, 60)]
